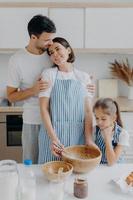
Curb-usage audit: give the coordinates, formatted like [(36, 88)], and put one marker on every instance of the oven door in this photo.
[(9, 144), (14, 130)]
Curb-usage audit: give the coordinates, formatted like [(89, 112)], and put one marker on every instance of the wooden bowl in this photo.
[(83, 158), (57, 170)]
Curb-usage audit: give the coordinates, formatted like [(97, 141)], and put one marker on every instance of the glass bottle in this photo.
[(27, 182), (8, 180)]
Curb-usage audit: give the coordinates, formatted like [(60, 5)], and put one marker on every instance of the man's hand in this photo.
[(43, 85), (91, 88), (40, 86)]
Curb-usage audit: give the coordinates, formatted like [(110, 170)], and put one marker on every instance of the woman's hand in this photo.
[(57, 148), (91, 144)]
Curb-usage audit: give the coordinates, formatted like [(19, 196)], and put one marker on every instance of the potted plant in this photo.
[(123, 71)]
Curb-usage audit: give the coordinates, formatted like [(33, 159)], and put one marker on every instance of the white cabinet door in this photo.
[(70, 24), (13, 25), (109, 28)]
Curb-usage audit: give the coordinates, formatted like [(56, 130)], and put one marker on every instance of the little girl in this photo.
[(110, 137)]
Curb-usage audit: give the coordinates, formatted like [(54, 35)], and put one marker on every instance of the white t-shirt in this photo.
[(23, 71), (50, 74)]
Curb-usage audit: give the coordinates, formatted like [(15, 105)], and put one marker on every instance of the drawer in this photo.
[(2, 118)]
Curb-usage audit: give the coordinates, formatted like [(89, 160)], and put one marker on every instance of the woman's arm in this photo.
[(44, 107), (88, 122)]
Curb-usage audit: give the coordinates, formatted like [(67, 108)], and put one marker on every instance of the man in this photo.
[(24, 81)]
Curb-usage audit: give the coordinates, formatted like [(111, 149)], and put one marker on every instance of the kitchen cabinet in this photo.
[(13, 21), (90, 27), (109, 28), (127, 118), (70, 24)]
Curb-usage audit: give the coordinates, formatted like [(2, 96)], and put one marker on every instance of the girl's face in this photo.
[(103, 120), (58, 53)]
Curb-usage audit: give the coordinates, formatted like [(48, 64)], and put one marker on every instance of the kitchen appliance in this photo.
[(10, 136)]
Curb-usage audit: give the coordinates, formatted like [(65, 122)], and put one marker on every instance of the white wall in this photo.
[(95, 64), (98, 66), (3, 73)]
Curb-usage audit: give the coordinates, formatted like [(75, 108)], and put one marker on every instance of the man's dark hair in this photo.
[(39, 24)]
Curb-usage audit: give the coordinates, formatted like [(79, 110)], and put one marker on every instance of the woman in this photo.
[(66, 106)]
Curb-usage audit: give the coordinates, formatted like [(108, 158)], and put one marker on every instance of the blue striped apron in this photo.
[(99, 140), (67, 116)]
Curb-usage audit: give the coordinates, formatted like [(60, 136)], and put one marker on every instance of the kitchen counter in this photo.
[(99, 184), (10, 109), (125, 104)]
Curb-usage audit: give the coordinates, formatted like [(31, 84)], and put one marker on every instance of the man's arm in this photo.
[(13, 94)]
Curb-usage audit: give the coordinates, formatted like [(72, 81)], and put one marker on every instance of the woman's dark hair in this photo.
[(39, 24), (66, 44), (110, 107)]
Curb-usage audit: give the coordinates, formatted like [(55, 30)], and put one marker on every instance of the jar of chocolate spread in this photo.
[(80, 188)]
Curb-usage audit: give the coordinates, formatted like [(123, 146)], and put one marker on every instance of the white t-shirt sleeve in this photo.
[(47, 75), (124, 138), (14, 75)]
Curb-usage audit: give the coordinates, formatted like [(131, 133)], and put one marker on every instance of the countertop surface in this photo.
[(100, 184), (10, 109), (125, 105)]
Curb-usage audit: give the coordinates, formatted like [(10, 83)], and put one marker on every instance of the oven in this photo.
[(10, 136)]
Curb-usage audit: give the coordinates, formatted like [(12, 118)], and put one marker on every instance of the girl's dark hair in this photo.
[(110, 107), (66, 44), (39, 24)]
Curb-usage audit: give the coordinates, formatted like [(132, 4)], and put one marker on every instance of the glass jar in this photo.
[(80, 188), (8, 180)]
